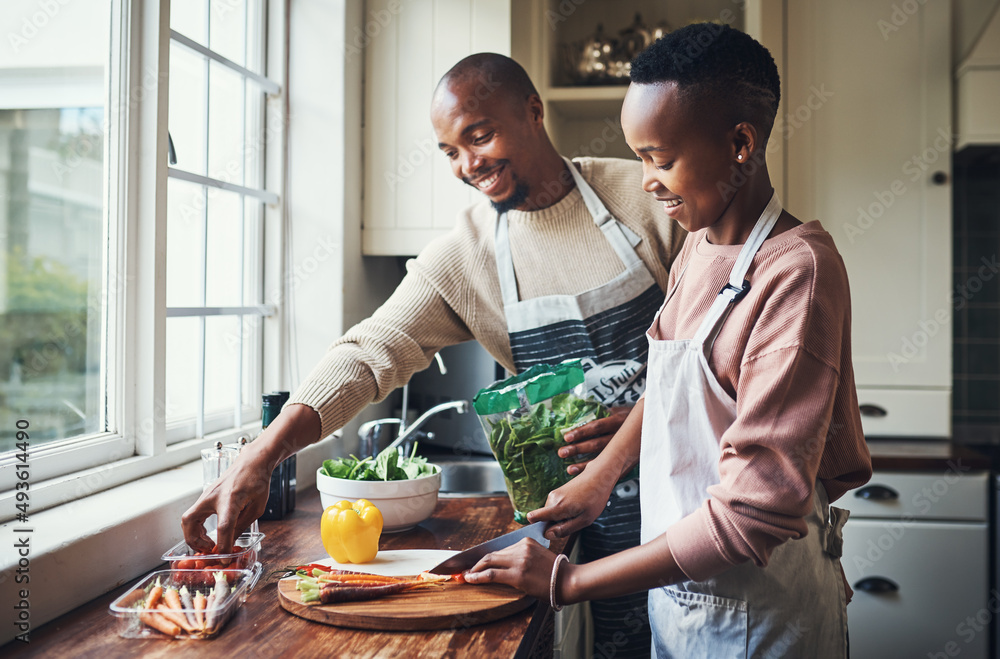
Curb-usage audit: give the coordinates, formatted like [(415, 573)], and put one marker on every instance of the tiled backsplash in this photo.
[(976, 396)]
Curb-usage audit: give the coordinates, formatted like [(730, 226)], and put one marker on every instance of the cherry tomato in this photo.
[(232, 575), (184, 564), (199, 564)]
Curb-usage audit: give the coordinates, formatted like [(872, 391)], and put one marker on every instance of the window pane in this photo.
[(257, 138), (255, 37), (190, 18), (185, 243), (183, 339), (222, 363), (228, 29), (225, 247), (187, 108), (225, 125), (253, 234), (52, 226)]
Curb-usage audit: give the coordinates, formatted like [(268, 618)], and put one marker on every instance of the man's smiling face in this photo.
[(490, 142)]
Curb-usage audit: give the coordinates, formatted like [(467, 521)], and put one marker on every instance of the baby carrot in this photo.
[(175, 617), (172, 598), (159, 623), (154, 596), (188, 606), (199, 609)]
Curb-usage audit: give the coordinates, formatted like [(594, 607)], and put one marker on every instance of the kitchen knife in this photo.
[(464, 560)]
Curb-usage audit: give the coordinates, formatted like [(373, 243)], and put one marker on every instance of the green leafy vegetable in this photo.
[(389, 465), (525, 443)]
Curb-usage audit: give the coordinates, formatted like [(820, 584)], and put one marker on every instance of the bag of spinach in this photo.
[(525, 417)]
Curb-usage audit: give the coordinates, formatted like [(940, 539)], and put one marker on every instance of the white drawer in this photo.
[(935, 575), (905, 413), (950, 494)]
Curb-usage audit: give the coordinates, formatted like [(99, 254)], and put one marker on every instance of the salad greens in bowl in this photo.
[(403, 488)]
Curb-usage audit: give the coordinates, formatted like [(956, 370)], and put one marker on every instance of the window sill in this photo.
[(82, 549)]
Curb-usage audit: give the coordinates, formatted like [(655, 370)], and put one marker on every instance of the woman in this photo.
[(749, 426)]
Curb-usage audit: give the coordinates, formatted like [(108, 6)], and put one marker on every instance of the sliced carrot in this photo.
[(357, 579), (433, 578), (331, 593), (159, 623)]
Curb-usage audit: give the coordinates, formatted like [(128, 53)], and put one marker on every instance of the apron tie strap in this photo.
[(834, 544)]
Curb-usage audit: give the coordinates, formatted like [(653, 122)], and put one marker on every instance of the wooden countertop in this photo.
[(923, 455), (262, 628)]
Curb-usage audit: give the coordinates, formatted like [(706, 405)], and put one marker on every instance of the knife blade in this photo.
[(464, 560)]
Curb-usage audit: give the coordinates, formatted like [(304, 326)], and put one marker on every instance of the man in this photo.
[(562, 261)]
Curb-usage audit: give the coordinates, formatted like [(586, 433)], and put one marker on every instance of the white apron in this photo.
[(602, 327), (794, 607)]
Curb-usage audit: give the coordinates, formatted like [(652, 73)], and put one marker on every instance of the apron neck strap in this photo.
[(505, 263), (738, 286), (604, 220), (608, 225)]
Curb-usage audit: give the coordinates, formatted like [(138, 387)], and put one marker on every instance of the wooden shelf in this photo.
[(586, 102)]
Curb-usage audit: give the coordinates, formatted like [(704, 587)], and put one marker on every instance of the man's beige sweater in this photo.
[(451, 292)]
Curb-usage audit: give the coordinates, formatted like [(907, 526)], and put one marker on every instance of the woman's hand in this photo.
[(526, 566), (591, 438), (576, 504)]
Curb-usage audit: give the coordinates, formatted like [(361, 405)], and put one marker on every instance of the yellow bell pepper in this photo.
[(351, 531)]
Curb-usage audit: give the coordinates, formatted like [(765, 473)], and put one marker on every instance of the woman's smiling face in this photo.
[(689, 158)]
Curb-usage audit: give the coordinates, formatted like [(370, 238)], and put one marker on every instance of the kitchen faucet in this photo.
[(368, 433)]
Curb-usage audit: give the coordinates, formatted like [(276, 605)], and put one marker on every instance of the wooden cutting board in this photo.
[(443, 606)]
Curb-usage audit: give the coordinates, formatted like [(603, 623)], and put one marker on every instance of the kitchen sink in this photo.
[(471, 477)]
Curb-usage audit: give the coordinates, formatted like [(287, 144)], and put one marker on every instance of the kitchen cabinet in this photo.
[(916, 554), (584, 119), (410, 194), (866, 141)]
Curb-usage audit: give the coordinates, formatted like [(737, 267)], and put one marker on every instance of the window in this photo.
[(132, 286), (215, 211), (52, 220)]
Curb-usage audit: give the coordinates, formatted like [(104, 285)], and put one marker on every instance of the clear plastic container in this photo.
[(244, 555), (128, 608)]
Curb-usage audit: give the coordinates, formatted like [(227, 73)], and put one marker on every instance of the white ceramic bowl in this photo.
[(403, 504)]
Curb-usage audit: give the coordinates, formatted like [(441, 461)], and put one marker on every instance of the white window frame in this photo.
[(134, 325)]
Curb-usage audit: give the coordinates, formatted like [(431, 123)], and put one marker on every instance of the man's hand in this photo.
[(240, 495), (238, 498), (591, 438)]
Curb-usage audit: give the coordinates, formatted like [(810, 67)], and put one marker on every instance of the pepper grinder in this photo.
[(277, 497)]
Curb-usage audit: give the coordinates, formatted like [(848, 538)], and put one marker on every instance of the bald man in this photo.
[(560, 260)]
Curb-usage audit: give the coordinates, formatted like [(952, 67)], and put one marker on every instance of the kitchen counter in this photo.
[(924, 455), (262, 628)]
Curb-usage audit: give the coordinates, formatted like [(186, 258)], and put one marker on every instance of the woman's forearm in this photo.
[(634, 570)]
